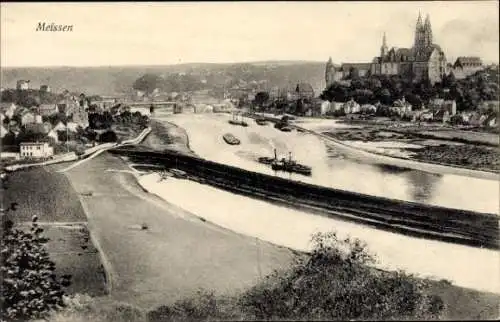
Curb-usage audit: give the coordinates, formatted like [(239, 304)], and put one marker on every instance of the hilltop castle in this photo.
[(424, 61)]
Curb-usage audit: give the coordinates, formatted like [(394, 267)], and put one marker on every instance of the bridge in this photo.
[(408, 218), (155, 104)]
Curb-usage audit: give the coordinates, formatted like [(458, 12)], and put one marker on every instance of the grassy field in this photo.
[(39, 191), (50, 196)]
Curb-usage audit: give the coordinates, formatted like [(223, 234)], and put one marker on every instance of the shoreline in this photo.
[(420, 152), (409, 163), (205, 216)]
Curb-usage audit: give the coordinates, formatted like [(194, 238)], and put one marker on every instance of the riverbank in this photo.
[(177, 254), (442, 151), (167, 136), (470, 150)]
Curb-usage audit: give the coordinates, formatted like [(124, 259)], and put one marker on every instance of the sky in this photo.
[(107, 34)]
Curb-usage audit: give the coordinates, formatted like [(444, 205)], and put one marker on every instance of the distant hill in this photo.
[(120, 79)]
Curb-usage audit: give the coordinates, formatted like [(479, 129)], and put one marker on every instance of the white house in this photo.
[(53, 135), (351, 107), (325, 107), (72, 127), (11, 110), (29, 150), (27, 118), (3, 131)]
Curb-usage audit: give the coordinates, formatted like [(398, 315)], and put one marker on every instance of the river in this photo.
[(462, 265), (332, 166)]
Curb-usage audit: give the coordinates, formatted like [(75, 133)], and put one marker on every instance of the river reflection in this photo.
[(332, 166)]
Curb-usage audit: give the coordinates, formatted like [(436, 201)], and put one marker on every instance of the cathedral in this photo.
[(424, 61)]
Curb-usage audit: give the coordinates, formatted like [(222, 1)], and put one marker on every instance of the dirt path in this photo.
[(175, 256)]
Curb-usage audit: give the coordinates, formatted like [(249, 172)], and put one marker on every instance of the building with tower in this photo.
[(423, 61)]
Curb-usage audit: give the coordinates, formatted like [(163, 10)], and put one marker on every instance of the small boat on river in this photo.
[(261, 121), (230, 139)]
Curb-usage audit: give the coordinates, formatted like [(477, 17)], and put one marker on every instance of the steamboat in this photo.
[(289, 165)]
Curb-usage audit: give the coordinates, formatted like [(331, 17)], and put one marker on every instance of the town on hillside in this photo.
[(38, 124)]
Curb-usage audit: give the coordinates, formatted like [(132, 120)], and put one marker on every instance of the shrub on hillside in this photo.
[(333, 283), (108, 136), (84, 308), (30, 288)]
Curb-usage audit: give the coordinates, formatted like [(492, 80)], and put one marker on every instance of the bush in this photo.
[(333, 283), (30, 288), (84, 308), (108, 136)]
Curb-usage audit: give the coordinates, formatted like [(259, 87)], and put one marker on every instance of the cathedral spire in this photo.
[(428, 31), (419, 21), (419, 43), (329, 72), (383, 49)]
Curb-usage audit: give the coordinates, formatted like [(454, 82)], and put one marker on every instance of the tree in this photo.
[(333, 282), (148, 83), (30, 288), (108, 136), (335, 93), (9, 142), (261, 98)]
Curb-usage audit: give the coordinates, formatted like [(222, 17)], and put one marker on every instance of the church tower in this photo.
[(427, 32), (419, 44), (384, 49), (329, 73)]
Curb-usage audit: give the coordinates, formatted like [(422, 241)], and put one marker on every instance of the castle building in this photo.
[(424, 61), (466, 66)]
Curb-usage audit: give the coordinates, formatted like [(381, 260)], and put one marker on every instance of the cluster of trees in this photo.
[(329, 284), (128, 118), (468, 92), (100, 121), (171, 83)]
